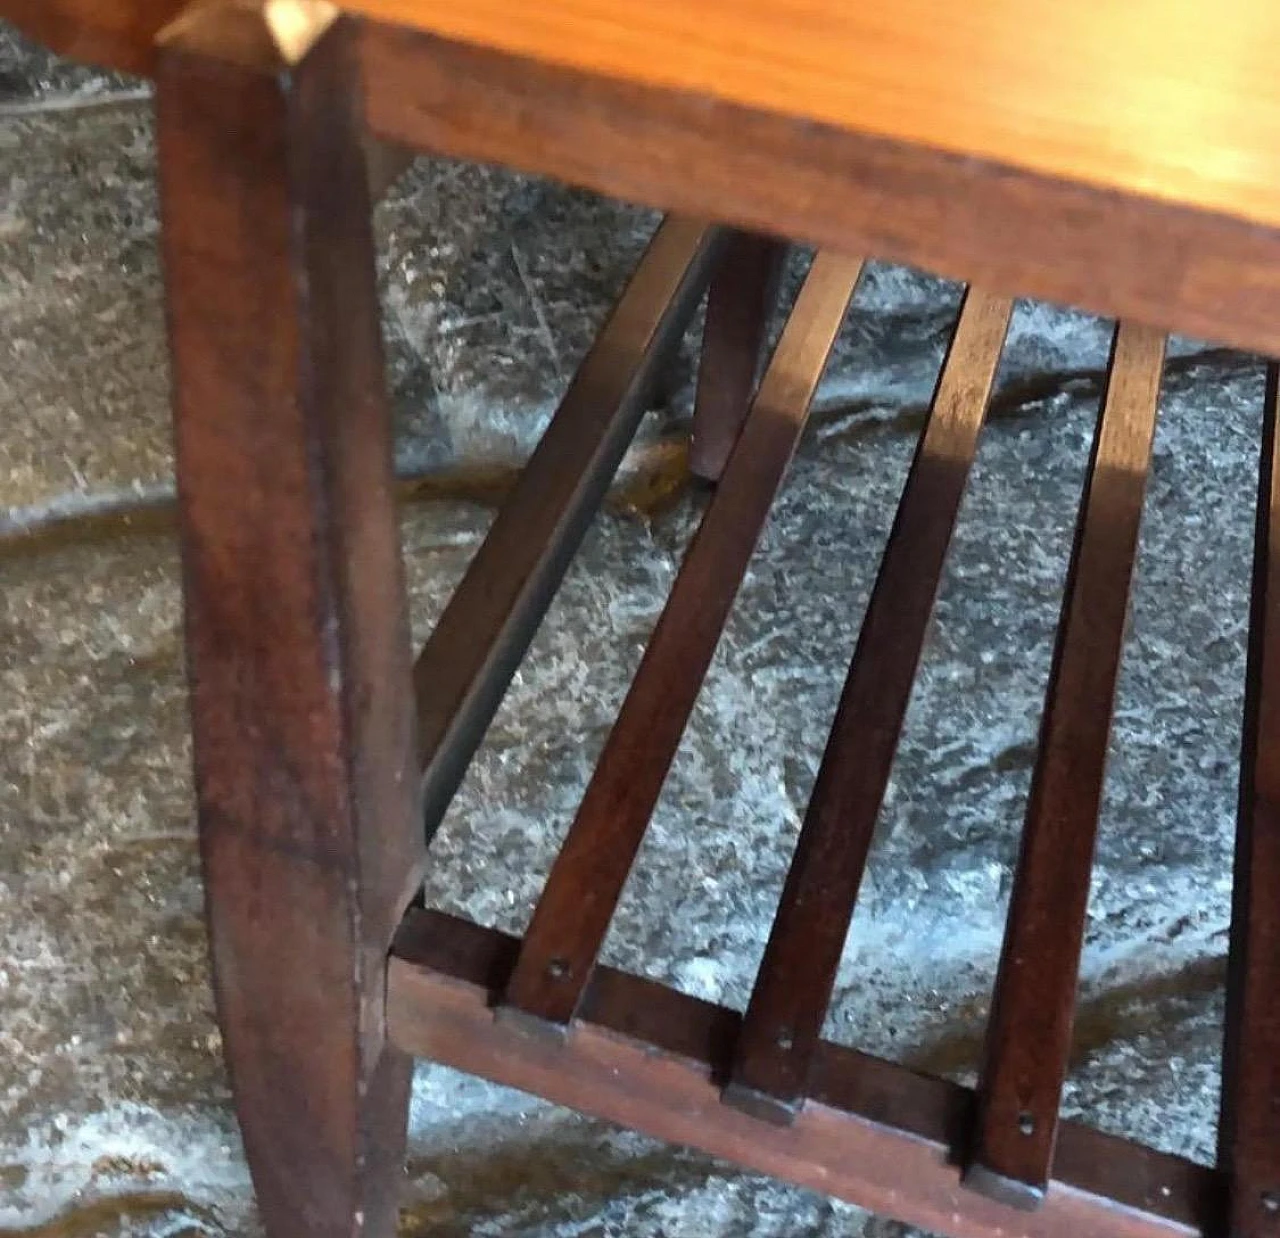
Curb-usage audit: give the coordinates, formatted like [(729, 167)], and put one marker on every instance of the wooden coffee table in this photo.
[(1123, 159)]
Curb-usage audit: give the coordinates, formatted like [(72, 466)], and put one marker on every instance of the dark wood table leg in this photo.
[(1249, 1130), (298, 643), (742, 298)]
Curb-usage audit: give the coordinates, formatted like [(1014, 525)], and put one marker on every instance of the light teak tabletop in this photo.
[(1177, 99)]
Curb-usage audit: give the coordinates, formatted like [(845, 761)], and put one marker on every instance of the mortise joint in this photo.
[(530, 1026)]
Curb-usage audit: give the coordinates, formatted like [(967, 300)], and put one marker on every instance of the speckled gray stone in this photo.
[(114, 1114), (481, 319), (82, 372), (492, 284), (31, 75)]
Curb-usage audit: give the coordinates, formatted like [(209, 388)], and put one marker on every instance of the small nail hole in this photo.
[(1026, 1124)]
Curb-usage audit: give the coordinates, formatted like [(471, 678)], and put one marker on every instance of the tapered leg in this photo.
[(739, 305), (298, 644), (1249, 1126)]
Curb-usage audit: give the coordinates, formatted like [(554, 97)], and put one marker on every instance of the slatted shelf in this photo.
[(586, 881), (762, 1087), (873, 1133)]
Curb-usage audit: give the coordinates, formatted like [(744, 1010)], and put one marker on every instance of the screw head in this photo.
[(786, 1039), (1026, 1124), (1271, 1202), (558, 969)]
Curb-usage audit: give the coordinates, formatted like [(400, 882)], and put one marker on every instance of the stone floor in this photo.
[(114, 1115)]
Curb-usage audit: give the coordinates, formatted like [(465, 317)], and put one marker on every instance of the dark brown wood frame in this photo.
[(321, 751)]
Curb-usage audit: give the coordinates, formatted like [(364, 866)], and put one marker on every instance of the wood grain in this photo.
[(1097, 93), (1002, 229), (572, 916), (1249, 1139), (1029, 1034), (1179, 260), (780, 1035), (1174, 98), (465, 667), (297, 637), (874, 1133)]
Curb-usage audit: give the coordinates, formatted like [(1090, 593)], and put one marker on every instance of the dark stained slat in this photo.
[(874, 1133), (1249, 1138), (739, 305), (466, 665), (1029, 1036), (586, 881), (784, 1019)]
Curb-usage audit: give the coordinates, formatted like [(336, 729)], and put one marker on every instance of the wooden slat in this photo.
[(573, 914), (1249, 1143), (1029, 1036), (784, 1019), (465, 667), (874, 1133), (739, 305)]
